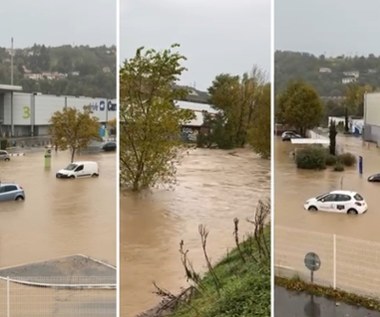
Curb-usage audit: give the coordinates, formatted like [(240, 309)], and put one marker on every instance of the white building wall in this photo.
[(45, 106), (21, 109)]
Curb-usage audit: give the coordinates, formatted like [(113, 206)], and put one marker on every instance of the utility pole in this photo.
[(12, 61)]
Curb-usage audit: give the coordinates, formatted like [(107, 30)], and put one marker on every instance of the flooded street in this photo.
[(58, 217), (293, 187), (213, 188)]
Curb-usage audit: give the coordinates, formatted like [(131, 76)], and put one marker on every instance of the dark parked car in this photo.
[(109, 146), (288, 135), (374, 178)]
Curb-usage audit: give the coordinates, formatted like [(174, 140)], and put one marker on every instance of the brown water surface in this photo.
[(58, 217), (293, 187), (213, 188)]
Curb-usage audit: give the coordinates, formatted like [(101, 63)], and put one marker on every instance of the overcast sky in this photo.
[(58, 22), (348, 27), (216, 36)]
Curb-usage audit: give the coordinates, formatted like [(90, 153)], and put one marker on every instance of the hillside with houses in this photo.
[(328, 75), (64, 70)]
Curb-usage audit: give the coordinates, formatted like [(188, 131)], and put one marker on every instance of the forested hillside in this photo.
[(328, 75), (65, 70)]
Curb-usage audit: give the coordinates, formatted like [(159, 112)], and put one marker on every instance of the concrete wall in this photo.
[(372, 117)]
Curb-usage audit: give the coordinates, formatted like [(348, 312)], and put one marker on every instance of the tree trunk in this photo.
[(73, 154)]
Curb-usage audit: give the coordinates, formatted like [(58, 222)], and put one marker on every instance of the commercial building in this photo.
[(28, 114), (371, 130)]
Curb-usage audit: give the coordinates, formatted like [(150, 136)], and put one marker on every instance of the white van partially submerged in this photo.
[(79, 169)]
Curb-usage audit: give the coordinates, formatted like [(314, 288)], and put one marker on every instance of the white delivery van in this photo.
[(79, 169)]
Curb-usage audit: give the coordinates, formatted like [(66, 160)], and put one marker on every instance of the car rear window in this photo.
[(358, 197)]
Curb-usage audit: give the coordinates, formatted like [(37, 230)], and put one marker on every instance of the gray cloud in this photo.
[(215, 36), (333, 28), (58, 22)]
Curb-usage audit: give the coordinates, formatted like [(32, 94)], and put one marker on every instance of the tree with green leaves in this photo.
[(299, 107), (150, 122), (73, 129), (236, 98), (259, 135)]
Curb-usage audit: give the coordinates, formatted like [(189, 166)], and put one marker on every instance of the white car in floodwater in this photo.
[(342, 201)]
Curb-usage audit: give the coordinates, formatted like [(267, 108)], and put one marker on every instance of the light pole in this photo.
[(12, 61)]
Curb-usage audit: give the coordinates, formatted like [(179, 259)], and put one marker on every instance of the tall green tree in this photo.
[(259, 135), (300, 107), (235, 97), (73, 129), (332, 135), (149, 119)]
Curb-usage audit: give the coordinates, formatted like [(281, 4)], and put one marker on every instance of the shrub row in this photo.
[(316, 157)]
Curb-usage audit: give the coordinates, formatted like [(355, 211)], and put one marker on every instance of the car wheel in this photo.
[(7, 159), (313, 208), (94, 175), (72, 177), (19, 198), (352, 211)]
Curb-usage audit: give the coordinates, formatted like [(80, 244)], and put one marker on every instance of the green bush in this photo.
[(330, 159), (312, 157), (339, 167), (347, 159), (3, 144)]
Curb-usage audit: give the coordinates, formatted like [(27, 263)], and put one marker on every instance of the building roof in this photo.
[(10, 88)]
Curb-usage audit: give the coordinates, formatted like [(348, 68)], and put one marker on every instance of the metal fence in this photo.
[(348, 264), (54, 297)]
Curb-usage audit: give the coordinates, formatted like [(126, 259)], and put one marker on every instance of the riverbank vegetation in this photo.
[(239, 285), (149, 121), (243, 118), (297, 285)]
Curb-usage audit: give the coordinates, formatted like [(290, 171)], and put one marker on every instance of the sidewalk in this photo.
[(292, 304)]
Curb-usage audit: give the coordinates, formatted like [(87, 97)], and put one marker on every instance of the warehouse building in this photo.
[(28, 114), (371, 130)]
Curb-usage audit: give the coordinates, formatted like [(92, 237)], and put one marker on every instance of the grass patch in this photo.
[(244, 289), (297, 285), (240, 284)]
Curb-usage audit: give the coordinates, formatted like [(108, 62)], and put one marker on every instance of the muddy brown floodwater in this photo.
[(214, 187), (293, 187), (58, 217)]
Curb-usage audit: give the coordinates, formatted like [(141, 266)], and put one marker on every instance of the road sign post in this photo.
[(313, 263)]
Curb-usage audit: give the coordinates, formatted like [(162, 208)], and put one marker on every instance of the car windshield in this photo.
[(358, 197), (321, 196), (71, 167)]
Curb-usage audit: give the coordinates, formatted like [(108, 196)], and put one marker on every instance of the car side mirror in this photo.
[(322, 200)]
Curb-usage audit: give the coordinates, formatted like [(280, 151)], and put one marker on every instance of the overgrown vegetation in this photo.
[(149, 120), (347, 159), (311, 157), (297, 285), (317, 157), (237, 286), (243, 104)]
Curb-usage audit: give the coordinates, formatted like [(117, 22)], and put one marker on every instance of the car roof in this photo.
[(344, 192), (7, 183), (84, 162)]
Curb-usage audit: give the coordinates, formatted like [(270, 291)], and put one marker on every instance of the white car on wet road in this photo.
[(342, 201)]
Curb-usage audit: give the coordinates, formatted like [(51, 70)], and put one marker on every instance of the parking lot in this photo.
[(58, 217), (293, 187)]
